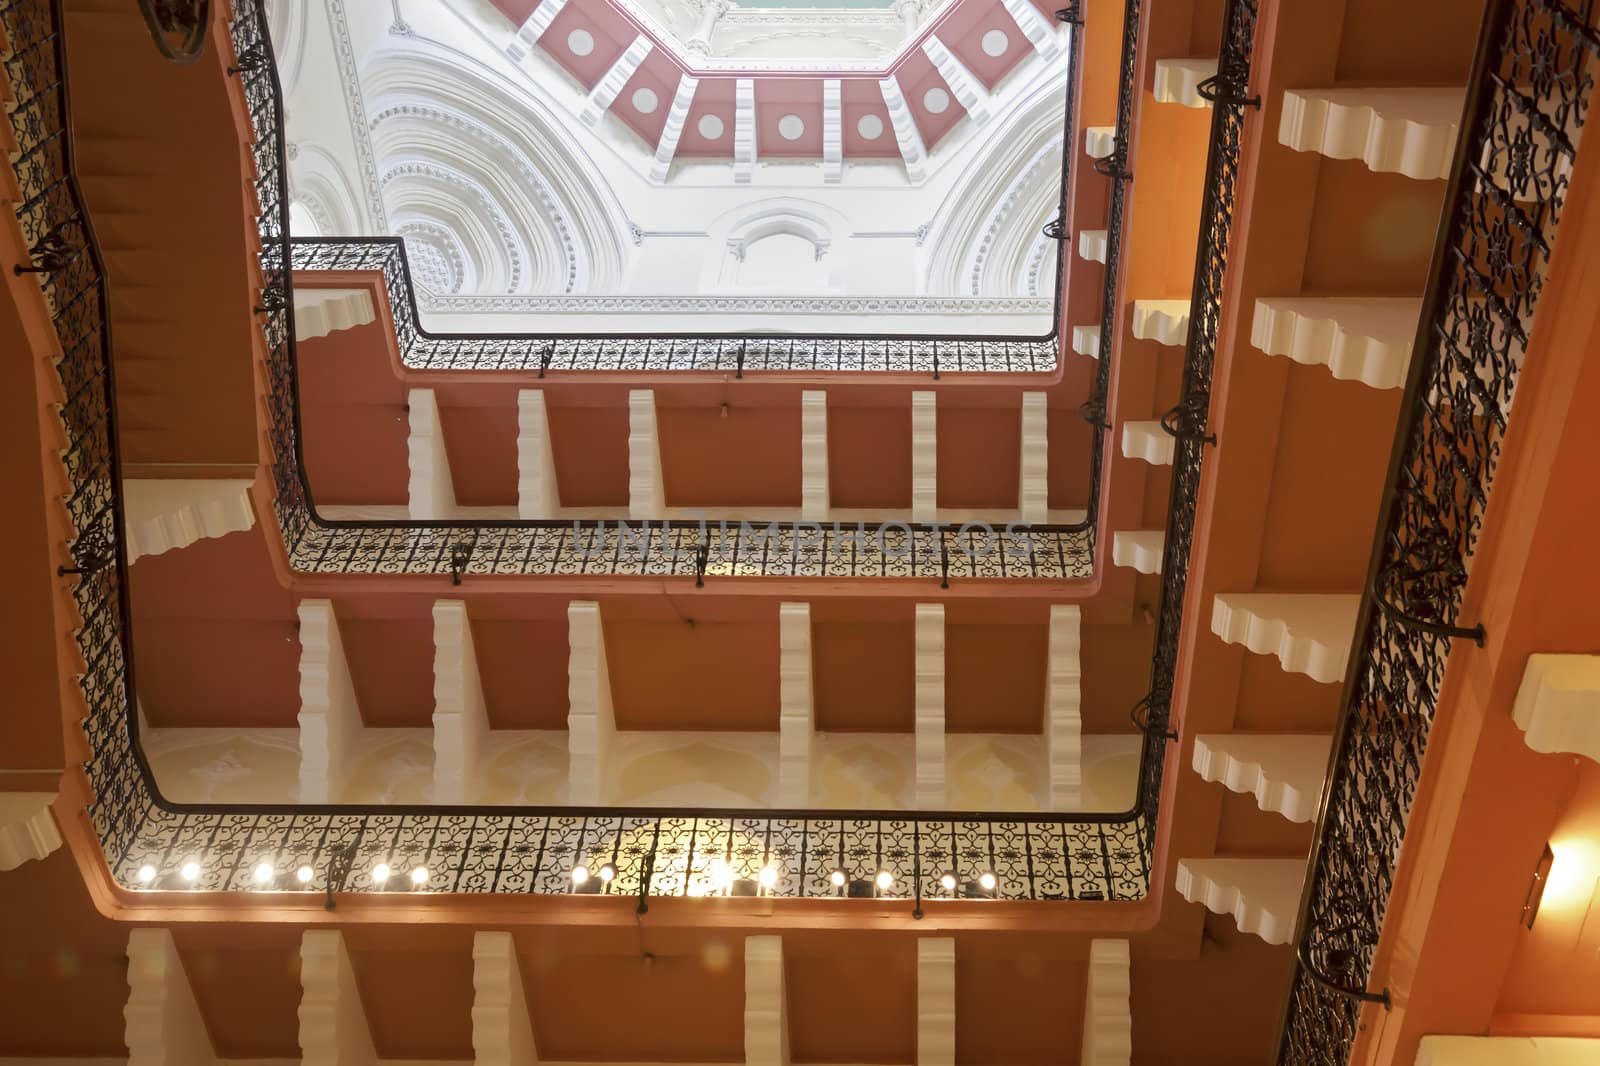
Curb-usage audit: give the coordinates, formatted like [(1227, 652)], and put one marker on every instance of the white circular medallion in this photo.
[(645, 101), (995, 43), (936, 100), (580, 42), (710, 127), (870, 127), (790, 127)]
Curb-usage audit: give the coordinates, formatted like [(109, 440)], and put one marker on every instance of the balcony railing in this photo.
[(1529, 95)]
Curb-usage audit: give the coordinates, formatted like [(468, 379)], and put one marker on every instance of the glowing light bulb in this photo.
[(304, 875), (580, 875), (263, 873), (190, 871), (769, 876), (721, 873), (607, 872), (948, 882), (986, 881), (837, 877), (419, 875), (380, 873), (885, 879), (147, 874)]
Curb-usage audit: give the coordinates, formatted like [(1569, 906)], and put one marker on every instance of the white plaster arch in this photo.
[(737, 230), (500, 253), (286, 22), (319, 181)]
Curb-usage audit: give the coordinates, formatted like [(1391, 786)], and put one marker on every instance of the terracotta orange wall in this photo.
[(863, 676), (994, 678), (869, 456), (590, 445), (748, 457), (523, 666), (694, 675), (979, 452)]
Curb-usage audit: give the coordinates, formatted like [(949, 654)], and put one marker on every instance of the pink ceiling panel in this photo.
[(654, 83), (714, 97), (516, 10), (972, 27), (861, 97), (777, 101), (609, 37), (917, 78)]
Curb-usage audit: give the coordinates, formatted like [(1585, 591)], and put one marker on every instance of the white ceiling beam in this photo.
[(1107, 1008), (329, 719), (744, 130), (913, 153), (1140, 549), (605, 91), (1310, 633), (1034, 26), (815, 501), (766, 1013), (930, 706), (936, 1001), (430, 492), (538, 494), (502, 1032), (27, 828), (162, 1021), (1558, 704), (646, 493), (333, 1022), (832, 131), (924, 456), (672, 132), (796, 710), (319, 312), (1063, 735), (591, 724), (1283, 771), (1507, 1051), (162, 514), (533, 28), (460, 716), (964, 86), (1033, 489), (1366, 339), (1262, 895)]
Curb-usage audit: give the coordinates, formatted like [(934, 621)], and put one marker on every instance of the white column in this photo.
[(162, 514), (912, 151), (815, 502), (538, 495), (530, 31), (766, 1013), (924, 457), (163, 1026), (1508, 1051), (590, 724), (1107, 1008), (333, 1023), (672, 132), (646, 494), (610, 84), (796, 711), (744, 130), (329, 718), (1558, 704), (1395, 130), (27, 828), (460, 718), (936, 1001), (967, 89), (832, 131), (431, 492), (319, 312), (930, 706), (1033, 490), (1034, 26), (1263, 895), (1063, 721), (502, 1033), (1283, 771), (1309, 633)]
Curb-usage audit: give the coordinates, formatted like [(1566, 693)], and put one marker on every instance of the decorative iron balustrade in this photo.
[(178, 27), (1527, 101), (153, 844)]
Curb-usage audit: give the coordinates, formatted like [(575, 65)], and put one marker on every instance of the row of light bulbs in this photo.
[(265, 873), (722, 876)]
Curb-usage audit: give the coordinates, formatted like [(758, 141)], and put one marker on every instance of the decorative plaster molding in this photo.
[(1357, 339), (538, 495), (936, 1001), (27, 828), (1108, 1006), (744, 130), (913, 153), (502, 1033), (924, 456), (610, 84), (815, 500), (930, 706), (1558, 704), (1033, 490), (590, 724), (967, 89), (329, 718), (672, 132), (1283, 771), (1309, 633), (1140, 549), (163, 1025), (766, 1015), (431, 492), (355, 109), (460, 716), (832, 131), (1163, 321), (165, 514), (842, 306), (1092, 245), (796, 716), (1404, 131), (493, 215), (1044, 165), (1263, 895), (1086, 341), (1031, 21), (1100, 142), (1177, 81), (646, 493), (1148, 441), (1063, 718), (333, 1022), (319, 312), (538, 21)]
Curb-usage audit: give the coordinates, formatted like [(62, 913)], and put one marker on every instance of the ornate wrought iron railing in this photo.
[(1527, 101), (152, 843), (178, 27)]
